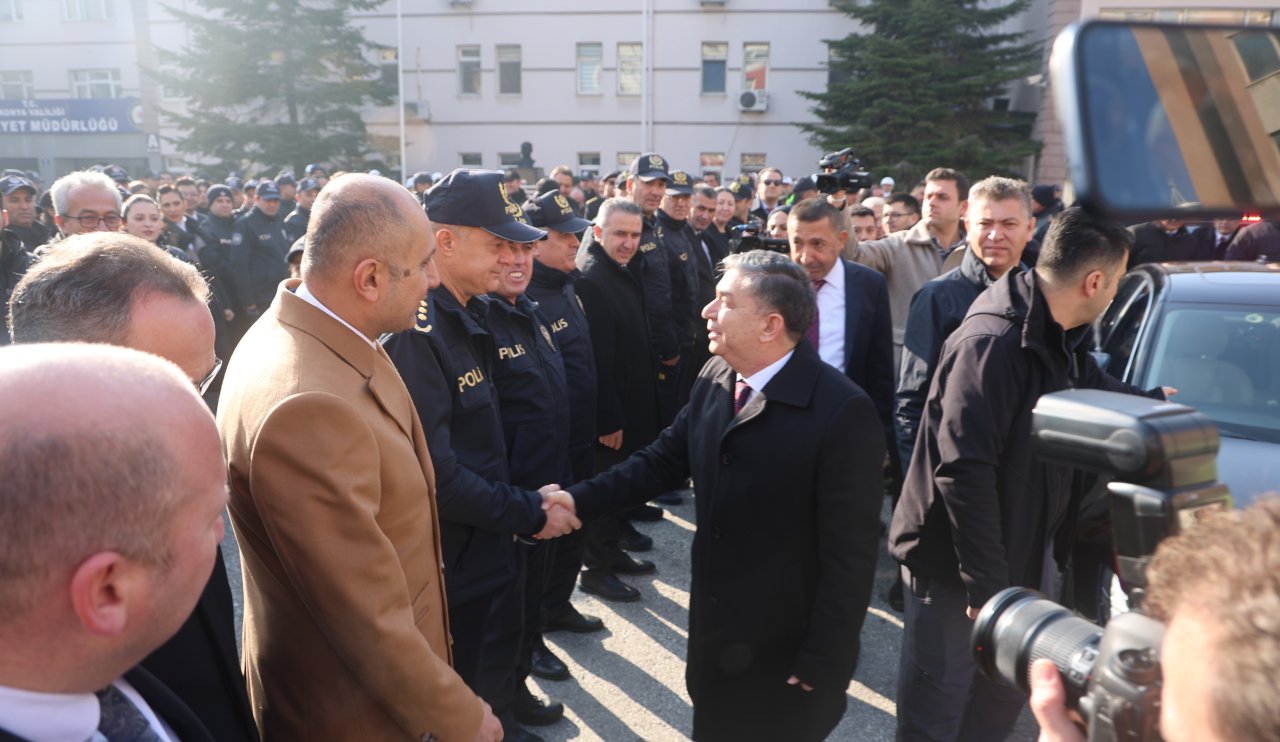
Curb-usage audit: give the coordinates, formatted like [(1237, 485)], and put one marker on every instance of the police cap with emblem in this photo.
[(11, 183), (680, 184), (478, 198), (308, 184), (286, 178), (740, 192), (552, 211), (649, 166), (116, 173), (268, 191), (215, 191)]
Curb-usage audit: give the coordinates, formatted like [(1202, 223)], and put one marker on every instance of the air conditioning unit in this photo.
[(419, 108), (753, 100)]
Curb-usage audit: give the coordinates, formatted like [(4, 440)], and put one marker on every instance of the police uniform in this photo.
[(529, 375), (447, 362), (258, 248), (295, 224), (677, 242), (14, 261)]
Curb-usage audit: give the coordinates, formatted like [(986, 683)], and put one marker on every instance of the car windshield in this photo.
[(1225, 362)]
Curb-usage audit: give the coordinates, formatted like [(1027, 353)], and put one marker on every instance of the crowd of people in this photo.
[(446, 401)]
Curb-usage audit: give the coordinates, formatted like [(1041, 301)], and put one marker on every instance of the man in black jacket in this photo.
[(118, 289), (14, 260), (979, 512), (773, 622), (627, 417), (295, 224)]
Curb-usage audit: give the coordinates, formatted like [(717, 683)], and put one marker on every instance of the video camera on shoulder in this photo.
[(752, 236), (841, 171), (1164, 458)]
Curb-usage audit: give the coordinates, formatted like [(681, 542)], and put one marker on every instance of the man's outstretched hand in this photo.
[(559, 506)]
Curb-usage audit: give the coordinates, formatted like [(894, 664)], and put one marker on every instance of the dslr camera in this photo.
[(1163, 457), (752, 236), (841, 171)]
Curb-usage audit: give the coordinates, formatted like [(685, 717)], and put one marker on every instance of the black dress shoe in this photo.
[(644, 513), (547, 666), (894, 597), (572, 620), (513, 732), (670, 498), (535, 712), (631, 539), (625, 564), (605, 585)]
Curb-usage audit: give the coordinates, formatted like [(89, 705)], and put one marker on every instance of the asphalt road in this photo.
[(628, 680)]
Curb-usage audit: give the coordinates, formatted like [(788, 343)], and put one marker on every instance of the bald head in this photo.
[(356, 217), (89, 459)]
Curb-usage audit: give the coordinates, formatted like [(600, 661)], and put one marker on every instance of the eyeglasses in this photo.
[(89, 222), (203, 385), (772, 182)]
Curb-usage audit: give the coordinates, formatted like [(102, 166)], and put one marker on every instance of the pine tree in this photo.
[(275, 84), (912, 91)]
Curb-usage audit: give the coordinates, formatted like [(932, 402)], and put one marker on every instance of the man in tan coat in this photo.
[(333, 495)]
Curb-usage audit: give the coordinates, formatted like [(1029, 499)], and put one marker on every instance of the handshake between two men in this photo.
[(562, 516)]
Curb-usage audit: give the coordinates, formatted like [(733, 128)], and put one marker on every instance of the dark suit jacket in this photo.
[(868, 337), (788, 502), (162, 701), (201, 666)]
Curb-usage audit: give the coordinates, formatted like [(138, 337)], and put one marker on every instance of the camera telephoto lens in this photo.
[(1019, 626)]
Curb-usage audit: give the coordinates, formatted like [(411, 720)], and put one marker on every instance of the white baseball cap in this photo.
[(886, 180)]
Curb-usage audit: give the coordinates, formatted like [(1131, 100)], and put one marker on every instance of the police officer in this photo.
[(533, 400), (18, 196), (258, 247), (217, 232), (551, 287), (678, 243), (288, 186), (295, 224), (14, 261), (447, 363), (250, 195)]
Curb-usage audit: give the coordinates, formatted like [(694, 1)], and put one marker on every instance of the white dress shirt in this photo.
[(759, 379), (831, 317), (66, 717), (304, 294)]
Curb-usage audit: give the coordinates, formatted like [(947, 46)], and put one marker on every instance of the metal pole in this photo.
[(404, 160), (646, 93)]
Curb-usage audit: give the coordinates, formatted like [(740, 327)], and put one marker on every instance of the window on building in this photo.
[(469, 70), (630, 68), (389, 65), (95, 84), (715, 58), (508, 69), (711, 162), (755, 66), (590, 60), (589, 161), (16, 84), (10, 11), (753, 162), (508, 159), (470, 159), (1258, 53), (625, 159), (88, 10)]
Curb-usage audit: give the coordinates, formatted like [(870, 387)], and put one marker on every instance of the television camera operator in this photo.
[(1214, 588)]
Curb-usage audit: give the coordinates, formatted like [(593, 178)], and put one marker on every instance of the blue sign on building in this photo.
[(71, 116)]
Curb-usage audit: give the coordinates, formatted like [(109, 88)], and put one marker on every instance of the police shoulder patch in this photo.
[(422, 323)]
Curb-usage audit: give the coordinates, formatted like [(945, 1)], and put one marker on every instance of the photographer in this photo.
[(1214, 587)]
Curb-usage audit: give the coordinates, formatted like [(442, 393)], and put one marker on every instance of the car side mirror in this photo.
[(1170, 121)]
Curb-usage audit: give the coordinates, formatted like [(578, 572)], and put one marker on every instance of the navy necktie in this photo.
[(120, 720)]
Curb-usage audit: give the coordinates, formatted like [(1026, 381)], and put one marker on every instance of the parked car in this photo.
[(1212, 331)]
